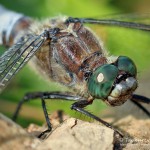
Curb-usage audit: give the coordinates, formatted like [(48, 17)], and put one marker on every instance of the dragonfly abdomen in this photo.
[(12, 24)]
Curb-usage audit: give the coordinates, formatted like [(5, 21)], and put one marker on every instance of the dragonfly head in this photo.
[(114, 83)]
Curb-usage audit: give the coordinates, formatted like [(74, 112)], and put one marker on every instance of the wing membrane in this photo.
[(17, 56)]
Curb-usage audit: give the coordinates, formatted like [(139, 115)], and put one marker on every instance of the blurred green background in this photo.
[(118, 41)]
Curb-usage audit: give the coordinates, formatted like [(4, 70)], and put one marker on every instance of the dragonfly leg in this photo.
[(47, 119), (26, 98), (138, 98), (45, 96), (78, 106)]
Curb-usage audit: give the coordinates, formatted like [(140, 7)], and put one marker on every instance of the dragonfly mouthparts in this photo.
[(122, 91)]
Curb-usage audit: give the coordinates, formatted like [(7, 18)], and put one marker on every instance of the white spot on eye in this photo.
[(100, 77)]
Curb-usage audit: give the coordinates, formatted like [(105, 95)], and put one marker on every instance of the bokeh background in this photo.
[(119, 41)]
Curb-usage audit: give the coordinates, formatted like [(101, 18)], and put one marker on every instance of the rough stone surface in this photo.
[(79, 135), (71, 134), (13, 137), (136, 131), (75, 134)]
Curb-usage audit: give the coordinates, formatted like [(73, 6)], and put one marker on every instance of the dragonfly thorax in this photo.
[(76, 50), (114, 83)]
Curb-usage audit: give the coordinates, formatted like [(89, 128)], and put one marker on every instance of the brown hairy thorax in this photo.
[(76, 51)]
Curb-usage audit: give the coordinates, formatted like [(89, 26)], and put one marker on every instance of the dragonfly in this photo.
[(69, 53)]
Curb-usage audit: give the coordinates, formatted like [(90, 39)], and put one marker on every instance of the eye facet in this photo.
[(101, 81), (126, 64)]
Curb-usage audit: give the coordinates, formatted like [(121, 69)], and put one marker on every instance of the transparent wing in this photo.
[(17, 56)]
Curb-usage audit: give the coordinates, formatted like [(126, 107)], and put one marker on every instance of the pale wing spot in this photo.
[(100, 77)]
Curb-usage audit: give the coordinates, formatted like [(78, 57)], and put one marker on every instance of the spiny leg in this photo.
[(45, 96), (26, 98), (78, 106), (49, 125), (138, 98)]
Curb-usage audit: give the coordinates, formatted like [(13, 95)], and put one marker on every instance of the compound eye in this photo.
[(126, 64), (101, 81)]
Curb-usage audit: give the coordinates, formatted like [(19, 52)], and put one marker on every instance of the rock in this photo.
[(136, 128), (136, 131), (79, 135), (13, 137), (137, 147), (71, 134), (75, 134)]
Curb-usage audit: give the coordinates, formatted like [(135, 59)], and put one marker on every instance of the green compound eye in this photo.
[(127, 65), (101, 81)]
